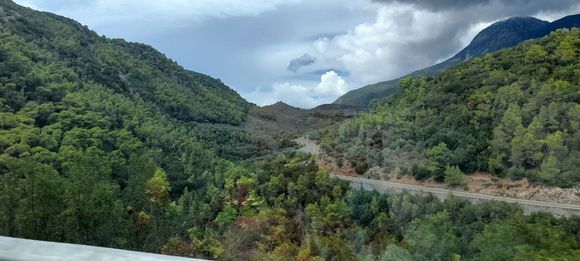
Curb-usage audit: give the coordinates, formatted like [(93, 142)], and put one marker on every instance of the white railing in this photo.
[(17, 249)]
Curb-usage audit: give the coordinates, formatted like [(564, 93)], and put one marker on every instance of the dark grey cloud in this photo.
[(438, 4), (441, 5), (301, 61)]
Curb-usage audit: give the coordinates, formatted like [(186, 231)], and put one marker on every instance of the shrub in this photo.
[(361, 167), (421, 173), (454, 177)]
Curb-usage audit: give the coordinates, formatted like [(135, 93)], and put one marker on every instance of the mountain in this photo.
[(109, 143), (513, 113), (97, 135), (285, 121), (566, 22), (131, 69), (502, 34)]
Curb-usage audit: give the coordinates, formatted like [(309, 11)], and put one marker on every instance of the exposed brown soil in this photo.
[(479, 182)]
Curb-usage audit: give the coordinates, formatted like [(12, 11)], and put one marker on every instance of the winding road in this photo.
[(381, 186)]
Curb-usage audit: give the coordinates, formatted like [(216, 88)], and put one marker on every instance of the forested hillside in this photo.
[(513, 113), (132, 69), (86, 122), (109, 143)]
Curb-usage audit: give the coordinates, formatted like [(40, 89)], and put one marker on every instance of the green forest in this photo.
[(109, 143), (514, 113)]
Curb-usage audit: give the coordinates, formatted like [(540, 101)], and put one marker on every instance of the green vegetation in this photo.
[(97, 136), (513, 113), (366, 96), (363, 97), (454, 177), (302, 214), (108, 143)]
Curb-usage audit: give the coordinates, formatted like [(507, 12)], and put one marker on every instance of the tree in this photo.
[(439, 158), (523, 238), (226, 216), (536, 53), (396, 253), (158, 188), (433, 238), (454, 177), (503, 134), (526, 149)]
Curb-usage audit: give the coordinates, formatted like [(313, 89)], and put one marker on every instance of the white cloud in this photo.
[(331, 84), (389, 47), (404, 38), (474, 30), (554, 15), (330, 87)]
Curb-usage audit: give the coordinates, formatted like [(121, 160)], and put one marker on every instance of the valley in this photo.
[(109, 143)]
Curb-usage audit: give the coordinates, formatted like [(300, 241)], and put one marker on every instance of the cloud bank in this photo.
[(166, 14), (407, 35), (438, 4), (331, 85)]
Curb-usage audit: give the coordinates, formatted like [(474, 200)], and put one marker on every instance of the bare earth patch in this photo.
[(479, 182), (488, 184), (485, 183)]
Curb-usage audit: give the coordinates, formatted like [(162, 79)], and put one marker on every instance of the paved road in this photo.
[(17, 249), (308, 146), (527, 205), (386, 186)]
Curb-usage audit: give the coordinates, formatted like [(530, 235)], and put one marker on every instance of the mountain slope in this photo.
[(98, 136), (503, 34), (182, 94), (98, 147), (500, 35), (565, 22), (513, 113)]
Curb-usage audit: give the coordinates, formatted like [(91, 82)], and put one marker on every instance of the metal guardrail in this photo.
[(17, 249)]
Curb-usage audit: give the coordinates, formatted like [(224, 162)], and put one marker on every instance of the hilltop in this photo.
[(502, 34)]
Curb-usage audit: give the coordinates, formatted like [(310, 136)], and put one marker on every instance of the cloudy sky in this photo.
[(303, 52)]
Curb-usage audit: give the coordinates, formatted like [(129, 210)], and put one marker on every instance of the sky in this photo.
[(302, 52)]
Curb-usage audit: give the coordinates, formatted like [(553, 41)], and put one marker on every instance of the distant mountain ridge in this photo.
[(281, 119), (502, 34)]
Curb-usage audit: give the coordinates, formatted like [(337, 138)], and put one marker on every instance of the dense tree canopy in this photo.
[(98, 136), (108, 143), (513, 113)]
